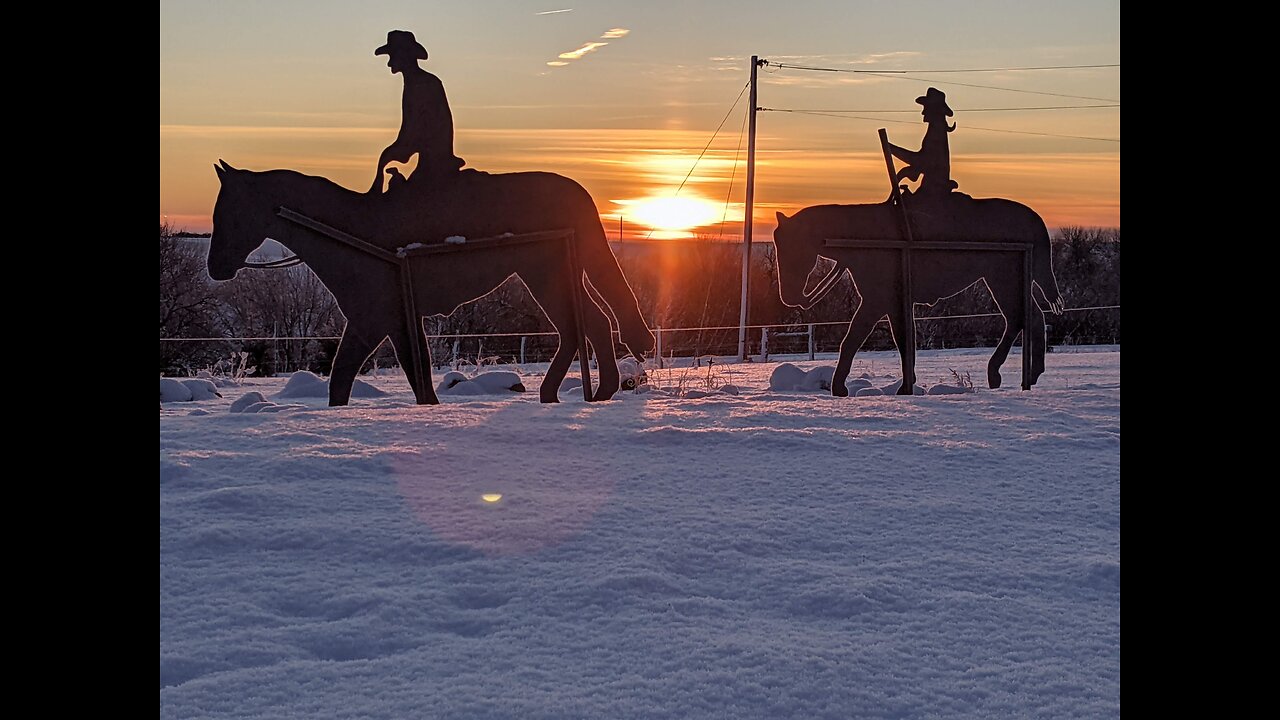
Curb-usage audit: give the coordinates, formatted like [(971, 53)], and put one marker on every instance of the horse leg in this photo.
[(354, 348), (600, 336), (1004, 291), (401, 340), (860, 327), (551, 294), (1008, 299), (560, 362), (1001, 353)]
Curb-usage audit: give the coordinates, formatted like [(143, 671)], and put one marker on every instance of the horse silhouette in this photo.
[(936, 274), (368, 289)]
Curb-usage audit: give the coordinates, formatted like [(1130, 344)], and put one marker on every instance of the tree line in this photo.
[(679, 284)]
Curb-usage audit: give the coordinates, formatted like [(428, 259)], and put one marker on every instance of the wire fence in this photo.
[(315, 352)]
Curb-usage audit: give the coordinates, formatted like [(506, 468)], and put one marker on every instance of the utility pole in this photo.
[(756, 62)]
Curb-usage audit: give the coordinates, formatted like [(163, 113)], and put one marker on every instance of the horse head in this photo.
[(235, 235), (798, 250)]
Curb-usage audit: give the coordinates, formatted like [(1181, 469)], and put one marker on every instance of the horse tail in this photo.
[(602, 269), (1042, 269)]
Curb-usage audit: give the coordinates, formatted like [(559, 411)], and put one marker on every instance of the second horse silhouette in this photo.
[(369, 290)]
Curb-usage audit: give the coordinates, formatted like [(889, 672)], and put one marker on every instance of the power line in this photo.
[(967, 127), (732, 173), (708, 147), (990, 109), (997, 87), (713, 138), (909, 75), (946, 70)]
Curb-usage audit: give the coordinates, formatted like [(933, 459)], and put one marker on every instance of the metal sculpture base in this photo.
[(403, 262), (906, 247)]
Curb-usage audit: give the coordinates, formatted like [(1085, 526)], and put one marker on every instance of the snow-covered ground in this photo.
[(761, 555)]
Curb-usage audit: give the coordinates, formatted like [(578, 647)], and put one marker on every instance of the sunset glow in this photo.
[(626, 101), (672, 217)]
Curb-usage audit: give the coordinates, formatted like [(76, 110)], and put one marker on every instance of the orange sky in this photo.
[(625, 124)]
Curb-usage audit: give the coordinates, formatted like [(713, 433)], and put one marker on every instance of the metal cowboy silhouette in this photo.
[(426, 127), (933, 160)]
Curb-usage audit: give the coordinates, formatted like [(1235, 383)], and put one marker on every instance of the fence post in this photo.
[(522, 339), (658, 333), (764, 344), (810, 341)]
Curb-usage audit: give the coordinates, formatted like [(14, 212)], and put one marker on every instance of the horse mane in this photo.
[(300, 180)]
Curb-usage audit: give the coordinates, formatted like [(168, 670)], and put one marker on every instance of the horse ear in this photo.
[(781, 217), (224, 164), (221, 173)]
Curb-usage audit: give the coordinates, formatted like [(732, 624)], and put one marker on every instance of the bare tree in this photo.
[(189, 304), (285, 303)]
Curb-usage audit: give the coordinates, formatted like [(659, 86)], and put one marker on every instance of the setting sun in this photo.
[(671, 216)]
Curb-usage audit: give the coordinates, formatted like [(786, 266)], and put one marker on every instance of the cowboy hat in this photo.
[(934, 99), (402, 41)]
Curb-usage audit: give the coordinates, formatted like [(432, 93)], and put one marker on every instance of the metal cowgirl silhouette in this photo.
[(919, 247)]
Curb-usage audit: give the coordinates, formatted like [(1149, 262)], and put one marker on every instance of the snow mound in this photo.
[(274, 408), (731, 390), (788, 377), (218, 380), (695, 394), (942, 389), (303, 384), (892, 388), (199, 411), (570, 383), (868, 392), (451, 378), (497, 382), (202, 389), (174, 391), (857, 384), (250, 398), (266, 406), (257, 407)]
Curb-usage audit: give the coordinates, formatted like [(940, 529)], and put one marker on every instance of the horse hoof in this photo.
[(839, 390), (993, 380)]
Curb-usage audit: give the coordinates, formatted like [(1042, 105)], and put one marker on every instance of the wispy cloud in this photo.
[(554, 12), (589, 47), (586, 48), (873, 58)]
